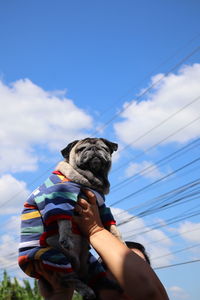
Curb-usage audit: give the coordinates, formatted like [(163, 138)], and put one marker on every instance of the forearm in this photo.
[(128, 268)]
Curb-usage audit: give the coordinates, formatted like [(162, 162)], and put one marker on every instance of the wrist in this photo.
[(96, 231)]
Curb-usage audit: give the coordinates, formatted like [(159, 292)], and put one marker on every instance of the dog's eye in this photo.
[(80, 149)]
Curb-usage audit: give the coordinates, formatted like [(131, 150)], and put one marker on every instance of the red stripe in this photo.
[(57, 217), (26, 204), (109, 223), (22, 259), (57, 173), (62, 269), (45, 235)]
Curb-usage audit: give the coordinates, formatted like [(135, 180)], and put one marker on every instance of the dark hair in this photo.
[(131, 245), (134, 245)]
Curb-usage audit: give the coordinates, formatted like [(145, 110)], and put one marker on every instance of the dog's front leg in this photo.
[(67, 242), (65, 234)]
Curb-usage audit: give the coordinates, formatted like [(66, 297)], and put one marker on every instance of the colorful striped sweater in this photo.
[(53, 200)]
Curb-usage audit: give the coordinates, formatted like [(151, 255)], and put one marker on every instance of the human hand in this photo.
[(88, 221)]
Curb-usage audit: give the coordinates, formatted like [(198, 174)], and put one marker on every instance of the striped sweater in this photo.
[(54, 199)]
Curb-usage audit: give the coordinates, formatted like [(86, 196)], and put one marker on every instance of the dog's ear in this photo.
[(66, 151), (112, 146)]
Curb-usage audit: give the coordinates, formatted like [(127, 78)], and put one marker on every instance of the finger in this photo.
[(78, 209), (83, 203), (90, 196)]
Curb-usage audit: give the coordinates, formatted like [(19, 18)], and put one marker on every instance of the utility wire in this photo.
[(167, 195), (147, 90), (178, 264), (155, 182), (152, 72), (174, 252), (160, 124), (159, 163), (172, 236), (160, 142), (160, 207), (163, 207), (33, 181), (167, 222)]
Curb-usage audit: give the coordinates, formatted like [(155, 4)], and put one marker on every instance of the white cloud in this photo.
[(13, 194), (171, 94), (151, 172), (9, 241), (190, 231), (156, 241), (177, 293), (30, 117)]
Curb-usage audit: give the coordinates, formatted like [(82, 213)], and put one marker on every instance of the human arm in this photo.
[(134, 275)]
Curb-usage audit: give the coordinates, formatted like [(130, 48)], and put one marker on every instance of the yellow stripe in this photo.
[(30, 215), (40, 252), (61, 177)]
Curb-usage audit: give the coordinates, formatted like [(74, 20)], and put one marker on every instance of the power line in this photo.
[(156, 181), (177, 251), (162, 207), (160, 142), (160, 162), (147, 90), (167, 195), (28, 184), (160, 124), (167, 222), (172, 236), (152, 72), (178, 264), (185, 58)]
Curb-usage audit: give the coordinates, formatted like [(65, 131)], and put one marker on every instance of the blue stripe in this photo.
[(57, 212), (27, 238)]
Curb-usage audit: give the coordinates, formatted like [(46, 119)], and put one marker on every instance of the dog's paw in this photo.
[(66, 243)]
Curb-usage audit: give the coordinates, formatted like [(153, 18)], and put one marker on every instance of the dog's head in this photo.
[(92, 154)]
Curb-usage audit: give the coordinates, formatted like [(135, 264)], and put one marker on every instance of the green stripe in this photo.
[(65, 195), (34, 229), (48, 183), (56, 258)]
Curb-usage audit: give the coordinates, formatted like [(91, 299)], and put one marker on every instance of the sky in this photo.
[(127, 71)]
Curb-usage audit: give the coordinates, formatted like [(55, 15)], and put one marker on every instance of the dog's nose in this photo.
[(93, 148)]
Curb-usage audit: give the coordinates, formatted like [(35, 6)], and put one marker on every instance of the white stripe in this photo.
[(29, 244), (68, 266), (36, 192)]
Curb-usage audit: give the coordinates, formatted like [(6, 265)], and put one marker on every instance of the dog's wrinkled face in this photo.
[(92, 154)]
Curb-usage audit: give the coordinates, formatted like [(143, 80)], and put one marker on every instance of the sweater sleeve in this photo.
[(106, 215), (56, 202)]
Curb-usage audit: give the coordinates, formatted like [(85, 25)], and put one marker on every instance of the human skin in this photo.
[(111, 294), (134, 275)]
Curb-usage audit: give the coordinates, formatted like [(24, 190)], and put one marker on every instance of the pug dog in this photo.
[(47, 215), (86, 162)]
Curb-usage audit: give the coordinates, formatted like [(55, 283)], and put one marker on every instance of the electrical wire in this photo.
[(159, 163), (178, 264), (147, 90), (174, 252), (155, 182), (152, 72)]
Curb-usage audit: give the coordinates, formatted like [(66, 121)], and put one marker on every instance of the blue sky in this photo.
[(125, 70)]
